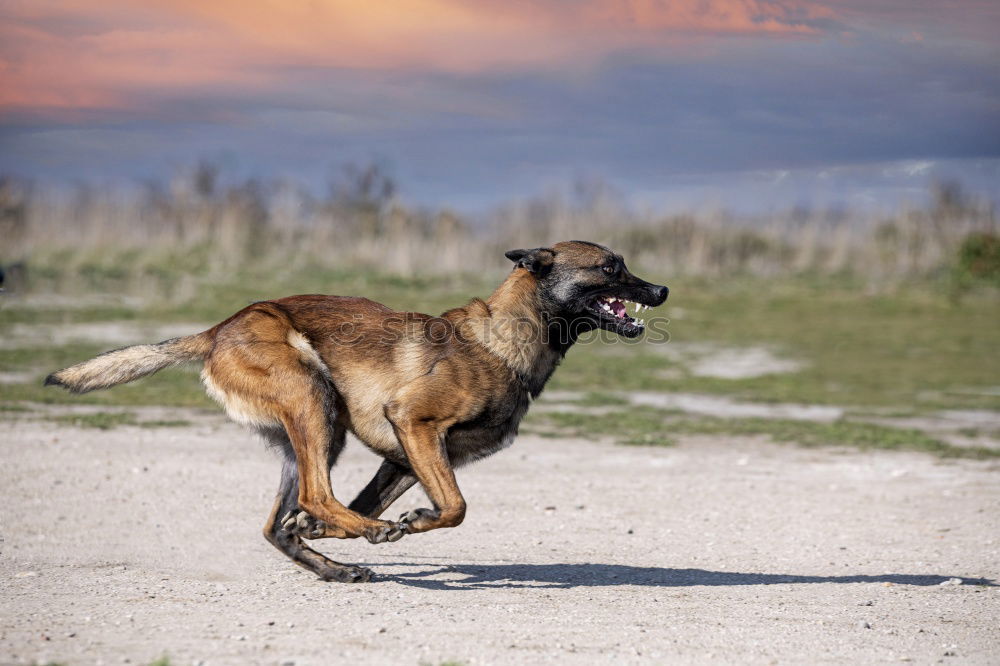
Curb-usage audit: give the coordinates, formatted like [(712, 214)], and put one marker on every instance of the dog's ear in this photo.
[(537, 261)]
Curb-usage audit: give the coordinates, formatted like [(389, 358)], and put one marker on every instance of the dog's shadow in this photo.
[(480, 576)]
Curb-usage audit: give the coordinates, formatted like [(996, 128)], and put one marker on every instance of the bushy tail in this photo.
[(129, 363)]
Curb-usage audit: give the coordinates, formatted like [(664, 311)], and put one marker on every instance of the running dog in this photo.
[(427, 394)]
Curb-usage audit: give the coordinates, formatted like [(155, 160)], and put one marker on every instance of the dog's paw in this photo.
[(346, 574), (417, 519), (302, 524), (387, 532)]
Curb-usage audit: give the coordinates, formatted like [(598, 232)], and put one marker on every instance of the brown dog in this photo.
[(428, 394)]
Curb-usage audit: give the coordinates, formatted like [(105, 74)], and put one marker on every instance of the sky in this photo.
[(751, 104)]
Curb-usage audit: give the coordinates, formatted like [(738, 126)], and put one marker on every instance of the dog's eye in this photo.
[(608, 269)]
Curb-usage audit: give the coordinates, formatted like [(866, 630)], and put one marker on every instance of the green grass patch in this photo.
[(109, 420), (99, 420), (648, 439), (598, 399), (838, 433), (164, 423), (16, 313), (632, 425), (913, 349), (657, 427)]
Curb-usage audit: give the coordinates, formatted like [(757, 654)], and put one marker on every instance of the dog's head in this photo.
[(588, 285)]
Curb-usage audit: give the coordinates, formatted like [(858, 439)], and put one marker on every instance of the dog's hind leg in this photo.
[(294, 519), (310, 434), (290, 543), (388, 485), (267, 382)]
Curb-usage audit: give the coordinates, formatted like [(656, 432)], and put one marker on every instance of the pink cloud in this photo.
[(80, 54)]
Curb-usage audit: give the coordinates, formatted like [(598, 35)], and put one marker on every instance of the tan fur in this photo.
[(239, 408), (510, 330), (366, 406), (130, 363), (306, 351)]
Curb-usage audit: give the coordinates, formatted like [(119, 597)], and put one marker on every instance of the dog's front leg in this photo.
[(429, 460), (423, 443), (389, 483)]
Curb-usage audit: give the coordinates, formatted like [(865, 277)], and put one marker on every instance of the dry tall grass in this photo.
[(195, 225)]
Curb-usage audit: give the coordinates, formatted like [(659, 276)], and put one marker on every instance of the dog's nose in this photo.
[(661, 294)]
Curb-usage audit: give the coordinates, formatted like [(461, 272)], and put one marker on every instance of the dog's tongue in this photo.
[(618, 308)]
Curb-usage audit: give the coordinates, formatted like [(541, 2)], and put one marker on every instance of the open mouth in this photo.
[(614, 309)]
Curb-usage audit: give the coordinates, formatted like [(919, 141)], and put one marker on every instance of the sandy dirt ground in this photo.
[(125, 545)]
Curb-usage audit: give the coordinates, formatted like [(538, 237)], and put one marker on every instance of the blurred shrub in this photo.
[(979, 257)]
